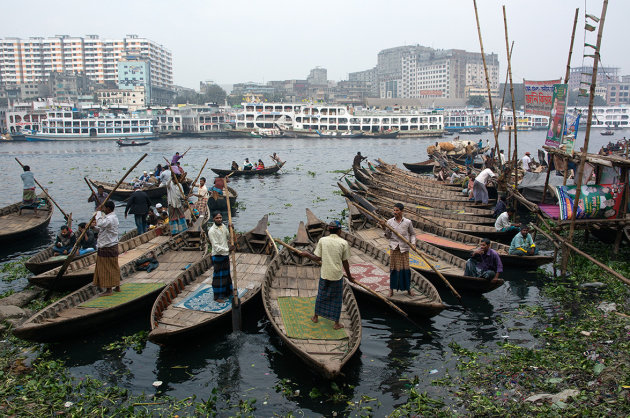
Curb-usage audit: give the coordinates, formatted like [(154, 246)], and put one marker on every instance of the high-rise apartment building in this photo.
[(34, 59)]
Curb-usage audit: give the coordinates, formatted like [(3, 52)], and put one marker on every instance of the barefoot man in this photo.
[(333, 252), (107, 271), (399, 272), (219, 238)]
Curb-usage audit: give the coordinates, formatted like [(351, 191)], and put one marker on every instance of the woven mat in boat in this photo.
[(202, 299), (128, 292), (371, 276), (296, 314), (415, 261)]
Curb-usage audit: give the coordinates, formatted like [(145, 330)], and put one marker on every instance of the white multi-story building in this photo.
[(33, 59)]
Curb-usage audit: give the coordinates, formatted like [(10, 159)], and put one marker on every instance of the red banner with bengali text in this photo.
[(538, 95)]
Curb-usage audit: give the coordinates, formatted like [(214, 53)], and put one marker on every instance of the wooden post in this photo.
[(589, 121), (495, 128), (509, 60), (501, 109)]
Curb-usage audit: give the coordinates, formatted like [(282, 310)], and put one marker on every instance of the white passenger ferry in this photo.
[(325, 117), (72, 125), (604, 116)]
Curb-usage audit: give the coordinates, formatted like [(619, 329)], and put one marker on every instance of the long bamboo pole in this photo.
[(495, 128), (509, 62), (65, 215), (237, 319), (181, 190), (194, 183), (70, 257), (503, 100), (587, 135)]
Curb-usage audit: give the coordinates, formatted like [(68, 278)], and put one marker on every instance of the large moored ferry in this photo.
[(71, 125)]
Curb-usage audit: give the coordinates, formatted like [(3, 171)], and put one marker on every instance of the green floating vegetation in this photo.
[(14, 270)]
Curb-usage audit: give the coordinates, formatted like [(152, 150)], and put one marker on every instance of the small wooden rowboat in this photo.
[(424, 167), (216, 202), (122, 143), (451, 266), (288, 294), (81, 271), (370, 267), (186, 308), (237, 173), (14, 226), (124, 191), (87, 310), (47, 259)]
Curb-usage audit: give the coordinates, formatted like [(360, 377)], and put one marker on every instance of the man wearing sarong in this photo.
[(333, 252), (219, 238), (99, 197), (480, 192), (485, 262), (29, 197), (175, 198), (107, 271), (202, 198), (399, 272), (523, 243)]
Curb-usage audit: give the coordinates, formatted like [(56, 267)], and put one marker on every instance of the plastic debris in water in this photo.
[(157, 383)]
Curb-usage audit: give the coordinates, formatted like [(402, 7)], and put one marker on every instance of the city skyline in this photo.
[(275, 40)]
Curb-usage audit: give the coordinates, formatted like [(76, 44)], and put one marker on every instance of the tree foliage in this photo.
[(213, 94), (477, 101)]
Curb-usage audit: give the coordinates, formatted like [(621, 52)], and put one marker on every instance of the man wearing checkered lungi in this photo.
[(219, 237), (399, 272), (333, 252)]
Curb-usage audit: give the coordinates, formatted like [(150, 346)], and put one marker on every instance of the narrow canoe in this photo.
[(14, 226), (370, 267), (124, 191), (291, 276), (87, 310), (131, 144), (237, 173), (424, 167), (47, 259), (451, 266), (81, 271), (180, 313)]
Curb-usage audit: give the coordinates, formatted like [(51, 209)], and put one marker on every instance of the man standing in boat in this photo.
[(139, 206), (176, 200), (107, 271), (334, 253), (219, 238), (358, 159), (99, 197), (399, 271), (29, 196)]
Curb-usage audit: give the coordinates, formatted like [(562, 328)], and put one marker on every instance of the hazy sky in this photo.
[(236, 41)]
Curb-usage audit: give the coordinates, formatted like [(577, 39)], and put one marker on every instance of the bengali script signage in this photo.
[(597, 201), (556, 119), (538, 96)]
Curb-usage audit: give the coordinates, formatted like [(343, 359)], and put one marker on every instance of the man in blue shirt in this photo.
[(522, 243)]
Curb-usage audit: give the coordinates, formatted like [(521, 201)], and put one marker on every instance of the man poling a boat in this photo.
[(219, 237), (399, 271), (334, 253), (29, 197), (358, 159)]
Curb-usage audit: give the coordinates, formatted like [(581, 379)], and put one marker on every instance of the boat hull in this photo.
[(248, 173)]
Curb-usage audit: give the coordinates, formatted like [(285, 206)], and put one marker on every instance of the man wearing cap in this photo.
[(334, 253), (399, 272), (526, 161), (139, 205), (144, 178)]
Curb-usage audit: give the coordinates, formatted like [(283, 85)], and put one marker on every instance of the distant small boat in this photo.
[(382, 134), (607, 132), (340, 134), (235, 173), (122, 143)]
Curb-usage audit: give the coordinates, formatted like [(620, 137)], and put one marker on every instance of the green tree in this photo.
[(214, 94), (477, 101)]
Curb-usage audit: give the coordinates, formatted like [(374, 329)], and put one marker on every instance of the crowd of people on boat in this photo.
[(620, 146), (255, 165)]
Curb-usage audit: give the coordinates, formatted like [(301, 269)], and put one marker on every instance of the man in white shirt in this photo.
[(219, 237), (107, 271), (526, 161), (399, 271), (480, 192), (503, 222), (502, 157), (29, 197)]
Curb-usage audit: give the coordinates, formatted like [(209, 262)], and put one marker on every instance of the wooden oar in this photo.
[(272, 241), (65, 215), (413, 247), (236, 301), (181, 190), (197, 178), (66, 263), (185, 152), (378, 295)]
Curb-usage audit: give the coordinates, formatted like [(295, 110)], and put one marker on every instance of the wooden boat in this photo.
[(423, 167), (292, 276), (172, 320), (47, 259), (339, 134), (382, 134), (87, 310), (368, 263), (238, 173), (124, 191), (607, 132), (216, 202), (14, 226), (81, 271), (451, 266), (410, 188), (122, 143)]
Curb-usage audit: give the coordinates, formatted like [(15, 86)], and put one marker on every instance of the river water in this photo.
[(254, 363)]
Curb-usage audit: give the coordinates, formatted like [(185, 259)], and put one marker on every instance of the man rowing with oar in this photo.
[(399, 272), (334, 253)]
